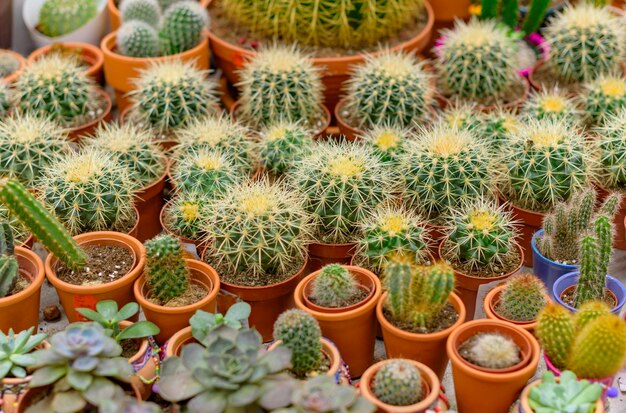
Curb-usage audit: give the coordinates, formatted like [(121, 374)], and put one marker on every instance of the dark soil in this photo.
[(357, 298), (505, 97), (105, 264), (569, 296), (130, 348), (166, 407), (464, 351), (509, 263), (445, 319), (194, 293)]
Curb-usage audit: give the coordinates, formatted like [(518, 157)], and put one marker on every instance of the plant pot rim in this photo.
[(105, 113), (22, 64), (91, 50), (575, 274), (429, 380), (34, 285), (492, 298), (181, 336), (197, 243), (533, 245), (146, 189), (356, 131), (533, 214), (329, 350), (135, 247), (112, 4), (319, 308), (525, 406)]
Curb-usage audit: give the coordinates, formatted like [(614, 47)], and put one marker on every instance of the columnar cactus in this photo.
[(186, 214), (167, 272), (334, 287), (523, 296), (300, 333), (137, 39), (59, 17), (182, 26), (389, 88), (28, 144), (604, 97), (205, 171), (493, 351), (9, 268), (551, 104), (147, 11), (280, 83), (19, 230), (398, 383), (283, 145), (387, 142), (555, 330), (610, 149)]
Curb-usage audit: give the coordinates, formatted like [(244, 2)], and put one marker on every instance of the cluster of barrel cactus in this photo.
[(398, 383), (60, 17), (205, 171), (493, 351), (300, 333), (522, 297), (335, 286), (603, 97), (551, 104), (493, 128), (283, 145), (166, 269), (186, 213), (611, 151)]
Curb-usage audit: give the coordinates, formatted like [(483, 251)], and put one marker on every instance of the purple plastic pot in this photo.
[(547, 270), (571, 278)]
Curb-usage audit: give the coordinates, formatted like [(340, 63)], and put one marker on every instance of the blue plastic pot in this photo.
[(571, 278), (547, 270)]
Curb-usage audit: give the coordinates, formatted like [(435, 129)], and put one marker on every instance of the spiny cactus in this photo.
[(9, 268), (28, 144), (493, 56), (280, 83), (493, 351), (59, 17), (170, 94), (610, 149), (445, 167), (460, 115), (134, 148), (523, 296), (543, 163), (205, 171), (392, 88), (182, 26), (6, 97), (257, 230), (507, 11), (398, 383), (555, 330), (89, 191), (166, 270), (551, 104), (341, 183), (186, 214), (387, 142), (19, 230), (283, 145), (8, 64), (300, 333), (588, 312), (603, 97), (147, 11), (137, 39), (334, 287), (493, 128), (585, 42)]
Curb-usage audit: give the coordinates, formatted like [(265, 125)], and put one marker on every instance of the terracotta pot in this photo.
[(430, 386), (21, 311), (199, 245), (514, 105), (86, 296), (324, 254), (335, 70), (349, 132), (114, 12), (144, 364), (524, 406), (531, 222), (364, 283), (329, 350), (11, 78), (172, 319), (91, 55), (449, 10), (424, 348), (467, 286), (357, 347), (149, 201), (619, 240), (492, 299), (177, 341), (120, 70), (28, 243), (474, 386), (436, 233), (76, 133)]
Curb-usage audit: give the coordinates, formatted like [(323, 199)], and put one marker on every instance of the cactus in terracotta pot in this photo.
[(492, 351), (494, 128), (283, 145), (182, 26), (147, 11), (334, 287), (59, 17), (610, 151), (523, 296), (186, 214), (603, 97), (205, 171), (300, 333), (8, 64), (166, 270), (136, 38), (552, 104), (6, 97), (398, 383), (388, 142)]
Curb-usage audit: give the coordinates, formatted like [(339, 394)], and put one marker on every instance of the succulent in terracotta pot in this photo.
[(109, 317), (566, 394)]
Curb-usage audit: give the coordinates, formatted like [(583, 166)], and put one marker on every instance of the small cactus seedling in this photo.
[(604, 97), (6, 97), (335, 287), (59, 17), (9, 268), (182, 26), (610, 149), (523, 296), (551, 104), (555, 331), (398, 383), (387, 142), (137, 39), (166, 269), (491, 351), (186, 214), (147, 11), (205, 171), (283, 145), (300, 333), (8, 64)]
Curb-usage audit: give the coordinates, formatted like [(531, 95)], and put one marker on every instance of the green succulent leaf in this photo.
[(140, 329), (47, 375), (68, 402), (181, 384)]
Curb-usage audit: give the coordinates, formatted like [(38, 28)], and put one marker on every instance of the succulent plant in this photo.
[(59, 17), (202, 323), (387, 142), (85, 367), (551, 104), (166, 269), (390, 88), (280, 83), (89, 191), (523, 296), (588, 312), (9, 267), (185, 216), (507, 11), (8, 64), (14, 352), (182, 26), (341, 184), (136, 38), (610, 150), (147, 11), (283, 145), (493, 128), (300, 333), (398, 383), (492, 351), (6, 97), (567, 395), (170, 94), (128, 404), (555, 331), (603, 97), (109, 316), (27, 145), (334, 287), (19, 230), (204, 171)]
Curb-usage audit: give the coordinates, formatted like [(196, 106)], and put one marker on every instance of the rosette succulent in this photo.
[(15, 351)]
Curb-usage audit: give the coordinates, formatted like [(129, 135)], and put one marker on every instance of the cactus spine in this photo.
[(137, 39), (283, 145), (334, 287), (147, 11), (604, 97), (9, 268), (166, 269), (493, 351), (494, 128), (610, 147), (59, 17), (523, 296), (300, 333), (398, 383), (186, 214), (588, 312), (204, 171), (551, 104), (555, 330), (182, 26), (387, 142)]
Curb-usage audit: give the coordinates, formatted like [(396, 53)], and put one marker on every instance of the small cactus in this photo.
[(523, 296), (334, 287), (59, 17), (387, 142), (185, 216), (555, 331), (492, 351), (147, 11), (137, 39), (182, 26), (398, 383), (551, 104), (300, 333), (166, 270), (588, 312), (8, 64), (19, 230), (6, 97), (494, 128), (283, 145), (9, 268), (610, 149), (604, 97), (205, 171)]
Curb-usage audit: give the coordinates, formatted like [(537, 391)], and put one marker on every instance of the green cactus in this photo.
[(398, 383), (205, 171), (493, 351), (610, 149), (551, 104), (28, 144), (280, 83), (334, 287), (283, 145), (147, 11), (390, 88), (8, 64), (170, 94), (588, 312), (47, 229), (166, 269), (301, 334), (9, 268), (603, 97), (493, 128), (341, 183), (507, 11), (460, 115), (523, 296), (59, 17), (6, 97), (137, 39), (164, 4), (185, 216), (182, 26), (555, 331), (89, 191), (387, 142), (19, 230)]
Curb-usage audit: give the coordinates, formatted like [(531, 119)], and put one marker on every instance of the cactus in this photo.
[(280, 83), (543, 163), (27, 145), (205, 171), (169, 94), (258, 232), (47, 229), (89, 191), (301, 334), (492, 351), (460, 115), (283, 145), (493, 58), (603, 97), (494, 128), (588, 312), (9, 268), (387, 142), (509, 14), (186, 214), (610, 149), (390, 88), (19, 230), (132, 147), (8, 64), (585, 42), (59, 17), (334, 287), (445, 167), (551, 104), (523, 296), (166, 270), (341, 183), (147, 11), (398, 383), (137, 39), (182, 26), (555, 331), (6, 97)]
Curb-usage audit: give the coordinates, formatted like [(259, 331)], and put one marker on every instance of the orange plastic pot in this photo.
[(91, 55), (492, 299), (487, 391), (329, 350), (115, 17), (353, 331), (149, 201), (619, 240), (21, 311), (430, 389), (525, 406), (531, 222), (448, 10), (11, 78), (76, 133), (177, 341), (349, 132), (424, 348), (324, 254), (172, 319), (87, 296), (143, 364)]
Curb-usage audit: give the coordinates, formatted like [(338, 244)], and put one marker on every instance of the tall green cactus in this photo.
[(334, 287), (555, 330), (167, 272), (9, 268), (300, 333), (398, 383), (182, 26), (59, 17)]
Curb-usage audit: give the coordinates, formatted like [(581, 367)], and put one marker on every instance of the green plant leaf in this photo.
[(23, 359), (47, 375), (5, 367), (79, 380), (93, 316), (177, 382), (244, 396), (140, 329), (239, 311), (108, 309), (18, 372), (208, 401), (127, 311), (68, 402)]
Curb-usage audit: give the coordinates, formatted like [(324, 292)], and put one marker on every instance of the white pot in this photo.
[(91, 33)]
